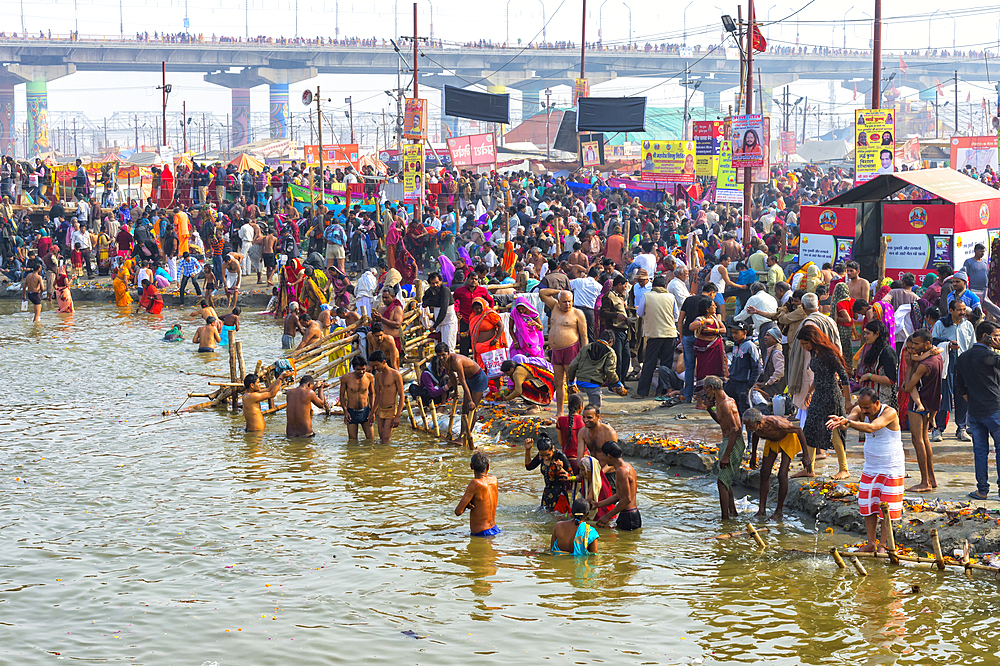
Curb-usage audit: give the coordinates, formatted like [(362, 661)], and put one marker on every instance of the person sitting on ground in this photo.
[(481, 498), (531, 381), (575, 535)]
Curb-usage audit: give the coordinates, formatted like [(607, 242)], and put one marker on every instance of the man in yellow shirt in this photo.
[(183, 228), (774, 273)]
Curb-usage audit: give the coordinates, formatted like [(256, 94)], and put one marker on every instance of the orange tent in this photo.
[(245, 162), (374, 162)]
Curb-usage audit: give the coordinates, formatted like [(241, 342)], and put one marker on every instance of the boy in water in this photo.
[(575, 535), (481, 498)]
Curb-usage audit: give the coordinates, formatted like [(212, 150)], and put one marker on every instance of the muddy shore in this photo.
[(683, 438)]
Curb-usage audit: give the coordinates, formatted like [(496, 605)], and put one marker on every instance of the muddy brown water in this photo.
[(127, 537)]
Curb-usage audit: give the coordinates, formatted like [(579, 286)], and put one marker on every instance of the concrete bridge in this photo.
[(34, 62)]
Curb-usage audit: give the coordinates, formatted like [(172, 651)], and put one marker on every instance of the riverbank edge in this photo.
[(103, 295), (808, 496)]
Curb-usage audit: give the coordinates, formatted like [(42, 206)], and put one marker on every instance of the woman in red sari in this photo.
[(486, 330)]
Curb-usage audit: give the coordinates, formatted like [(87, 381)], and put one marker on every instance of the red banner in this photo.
[(918, 218)]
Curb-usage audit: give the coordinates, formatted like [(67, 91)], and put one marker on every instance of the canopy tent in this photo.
[(245, 162), (182, 160), (823, 151), (374, 162)]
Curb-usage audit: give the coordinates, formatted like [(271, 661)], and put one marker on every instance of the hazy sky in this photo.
[(907, 26)]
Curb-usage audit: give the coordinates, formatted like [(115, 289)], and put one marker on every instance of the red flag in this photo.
[(855, 91), (940, 90), (968, 98), (902, 65), (756, 39)]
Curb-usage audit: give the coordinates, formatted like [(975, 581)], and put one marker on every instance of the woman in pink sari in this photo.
[(526, 330)]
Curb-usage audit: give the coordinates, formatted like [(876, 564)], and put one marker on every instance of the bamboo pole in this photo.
[(272, 410), (296, 353), (320, 352), (423, 414), (837, 558), (756, 536), (857, 565), (938, 555), (965, 559), (200, 395), (437, 425), (232, 373), (451, 420), (333, 364), (409, 411), (730, 535), (228, 384), (319, 357), (890, 537), (239, 358)]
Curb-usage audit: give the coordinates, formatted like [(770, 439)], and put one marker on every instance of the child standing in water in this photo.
[(481, 498)]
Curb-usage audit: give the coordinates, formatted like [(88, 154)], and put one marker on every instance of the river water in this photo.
[(129, 537)]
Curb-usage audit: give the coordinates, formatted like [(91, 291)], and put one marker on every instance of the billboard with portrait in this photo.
[(668, 161), (415, 120), (748, 141), (727, 190), (413, 172), (708, 135), (874, 143)]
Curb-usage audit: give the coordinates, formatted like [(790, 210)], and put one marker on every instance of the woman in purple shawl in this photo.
[(447, 269), (525, 330)]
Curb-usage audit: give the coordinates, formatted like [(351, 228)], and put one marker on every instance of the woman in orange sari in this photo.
[(486, 329)]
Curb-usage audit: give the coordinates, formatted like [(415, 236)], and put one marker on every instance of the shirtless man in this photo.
[(324, 319), (626, 487), (463, 371), (311, 331), (204, 311), (379, 341), (31, 290), (270, 243), (723, 411), (567, 335), (349, 316), (230, 324), (781, 436), (388, 398), (207, 336), (857, 286), (481, 497), (595, 432), (391, 318), (298, 411), (578, 258), (357, 395), (232, 272), (254, 395), (291, 326)]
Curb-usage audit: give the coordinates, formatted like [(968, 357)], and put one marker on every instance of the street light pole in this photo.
[(685, 40), (845, 26), (929, 28), (629, 24), (600, 22), (548, 114), (543, 20), (507, 16)]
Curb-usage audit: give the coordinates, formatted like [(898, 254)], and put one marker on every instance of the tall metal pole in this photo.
[(350, 105), (548, 115), (121, 18), (956, 102), (684, 130), (184, 125), (747, 175), (805, 114), (418, 207), (164, 66), (583, 40), (319, 128), (877, 58), (76, 150)]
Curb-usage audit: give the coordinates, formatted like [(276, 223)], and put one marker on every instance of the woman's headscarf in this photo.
[(840, 293), (447, 269), (929, 279), (464, 254), (883, 311), (509, 259), (530, 340), (883, 289), (813, 277)]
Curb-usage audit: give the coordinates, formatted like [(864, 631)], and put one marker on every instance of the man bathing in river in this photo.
[(388, 396), (378, 340), (781, 437), (723, 411), (32, 290), (254, 395), (463, 371), (207, 336), (298, 410), (882, 474), (311, 331), (291, 326), (595, 432), (567, 335), (624, 498), (481, 498), (357, 395)]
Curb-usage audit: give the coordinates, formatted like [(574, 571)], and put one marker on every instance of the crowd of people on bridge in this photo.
[(540, 290)]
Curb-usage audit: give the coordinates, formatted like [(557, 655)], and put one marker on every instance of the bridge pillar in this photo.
[(240, 83), (279, 110), (36, 78), (7, 141)]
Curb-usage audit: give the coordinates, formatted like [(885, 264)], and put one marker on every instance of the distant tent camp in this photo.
[(246, 162)]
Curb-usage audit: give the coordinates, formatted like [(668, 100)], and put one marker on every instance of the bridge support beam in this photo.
[(240, 83), (36, 78)]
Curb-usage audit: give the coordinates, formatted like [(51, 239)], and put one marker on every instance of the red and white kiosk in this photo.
[(939, 223)]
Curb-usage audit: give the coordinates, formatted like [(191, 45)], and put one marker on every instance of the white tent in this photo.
[(824, 151)]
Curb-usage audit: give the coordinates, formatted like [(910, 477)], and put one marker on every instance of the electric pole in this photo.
[(76, 152), (184, 106), (350, 114), (165, 91), (137, 133), (319, 127)]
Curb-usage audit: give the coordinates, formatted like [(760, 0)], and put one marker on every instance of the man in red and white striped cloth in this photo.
[(883, 471)]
